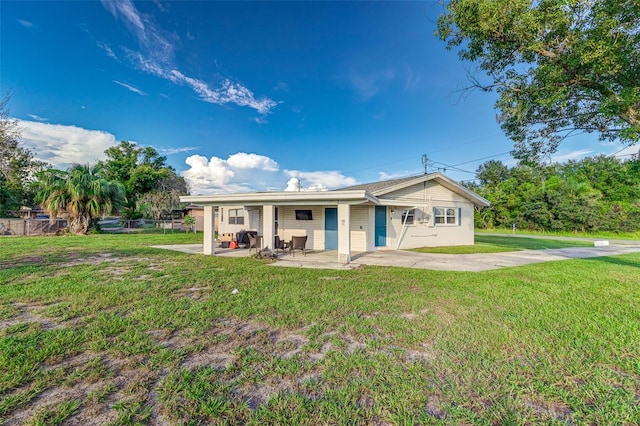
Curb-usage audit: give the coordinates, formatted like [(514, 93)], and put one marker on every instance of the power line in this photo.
[(483, 158), (448, 148)]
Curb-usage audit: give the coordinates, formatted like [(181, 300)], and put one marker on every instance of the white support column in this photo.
[(344, 233), (268, 225), (209, 231)]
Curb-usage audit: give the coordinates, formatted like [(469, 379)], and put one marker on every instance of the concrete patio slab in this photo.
[(409, 259)]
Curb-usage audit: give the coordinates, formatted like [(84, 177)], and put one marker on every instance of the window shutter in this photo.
[(434, 216), (459, 216)]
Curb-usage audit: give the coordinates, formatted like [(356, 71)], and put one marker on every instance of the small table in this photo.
[(257, 244)]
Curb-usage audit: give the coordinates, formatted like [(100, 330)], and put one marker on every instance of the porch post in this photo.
[(209, 231), (268, 225), (344, 233)]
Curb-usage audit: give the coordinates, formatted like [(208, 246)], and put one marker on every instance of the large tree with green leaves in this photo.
[(593, 194), (140, 169), (82, 192), (558, 66), (17, 164)]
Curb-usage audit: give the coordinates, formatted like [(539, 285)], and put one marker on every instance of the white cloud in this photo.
[(127, 11), (178, 150), (62, 146), (107, 49), (411, 81), (242, 160), (573, 155), (240, 172), (627, 152), (37, 117), (130, 88), (243, 172), (317, 181), (156, 57), (26, 24), (367, 84), (397, 175)]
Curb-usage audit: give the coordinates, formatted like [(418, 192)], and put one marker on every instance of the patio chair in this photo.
[(255, 241), (299, 243), (279, 244)]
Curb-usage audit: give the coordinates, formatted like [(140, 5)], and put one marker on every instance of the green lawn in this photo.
[(611, 235), (495, 244), (104, 329)]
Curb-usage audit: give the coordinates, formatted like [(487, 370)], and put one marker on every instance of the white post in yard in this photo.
[(209, 231), (268, 225), (344, 233)]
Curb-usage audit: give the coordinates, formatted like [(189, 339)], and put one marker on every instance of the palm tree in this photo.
[(82, 192)]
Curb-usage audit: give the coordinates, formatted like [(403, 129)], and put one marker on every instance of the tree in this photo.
[(190, 222), (140, 169), (558, 66), (156, 204), (593, 194), (17, 164), (82, 192), (492, 172)]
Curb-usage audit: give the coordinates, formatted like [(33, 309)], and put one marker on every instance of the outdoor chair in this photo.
[(299, 243), (255, 241), (279, 244)]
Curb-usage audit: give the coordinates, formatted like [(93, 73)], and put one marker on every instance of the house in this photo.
[(419, 211), (197, 212), (35, 212)]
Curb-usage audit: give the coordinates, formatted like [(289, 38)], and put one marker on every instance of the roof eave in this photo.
[(351, 197)]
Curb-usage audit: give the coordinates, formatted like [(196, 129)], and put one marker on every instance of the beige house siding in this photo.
[(224, 227), (359, 228), (424, 232), (288, 226), (412, 193), (440, 193)]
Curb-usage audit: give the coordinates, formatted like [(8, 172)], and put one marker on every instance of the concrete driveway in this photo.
[(486, 261), (442, 262)]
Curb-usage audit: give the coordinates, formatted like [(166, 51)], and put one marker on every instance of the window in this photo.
[(407, 217), (445, 215), (236, 217), (304, 215)]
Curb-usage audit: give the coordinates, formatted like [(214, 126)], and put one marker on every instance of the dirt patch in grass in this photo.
[(26, 313), (23, 261), (194, 293), (549, 409), (255, 360)]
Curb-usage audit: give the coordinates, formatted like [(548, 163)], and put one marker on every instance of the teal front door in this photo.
[(331, 229), (381, 226)]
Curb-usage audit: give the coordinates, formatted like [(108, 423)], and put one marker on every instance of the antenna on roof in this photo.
[(425, 161)]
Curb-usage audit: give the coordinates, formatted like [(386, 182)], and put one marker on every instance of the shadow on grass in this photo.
[(618, 261)]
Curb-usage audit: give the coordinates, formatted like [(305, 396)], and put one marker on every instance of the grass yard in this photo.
[(495, 244), (103, 330), (611, 235)]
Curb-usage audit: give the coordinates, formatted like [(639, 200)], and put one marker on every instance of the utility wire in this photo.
[(448, 148)]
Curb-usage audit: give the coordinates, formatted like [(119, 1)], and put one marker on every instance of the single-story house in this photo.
[(419, 211), (197, 212)]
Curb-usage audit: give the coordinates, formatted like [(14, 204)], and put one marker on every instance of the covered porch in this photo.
[(325, 218)]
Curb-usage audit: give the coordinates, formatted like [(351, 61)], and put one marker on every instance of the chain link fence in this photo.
[(34, 227), (143, 225)]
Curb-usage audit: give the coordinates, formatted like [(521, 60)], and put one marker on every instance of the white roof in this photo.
[(357, 194)]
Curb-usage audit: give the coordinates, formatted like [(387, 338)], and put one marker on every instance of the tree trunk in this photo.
[(79, 225)]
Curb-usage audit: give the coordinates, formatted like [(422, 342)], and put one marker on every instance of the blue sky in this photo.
[(245, 96)]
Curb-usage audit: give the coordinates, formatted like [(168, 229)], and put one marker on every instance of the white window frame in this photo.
[(443, 213), (235, 216), (410, 215)]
